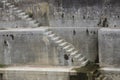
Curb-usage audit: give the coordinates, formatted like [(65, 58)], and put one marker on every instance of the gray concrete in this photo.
[(77, 13), (37, 73), (85, 13), (31, 47), (14, 24), (109, 47), (111, 73)]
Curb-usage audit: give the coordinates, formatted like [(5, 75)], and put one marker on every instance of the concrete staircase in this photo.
[(21, 14), (68, 47)]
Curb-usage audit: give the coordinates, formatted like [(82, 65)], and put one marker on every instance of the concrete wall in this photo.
[(31, 47), (109, 47), (30, 73), (14, 24), (85, 13), (111, 73), (77, 13)]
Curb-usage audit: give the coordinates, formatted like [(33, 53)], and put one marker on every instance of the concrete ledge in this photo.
[(39, 69)]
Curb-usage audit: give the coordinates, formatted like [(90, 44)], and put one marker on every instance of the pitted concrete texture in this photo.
[(109, 47), (32, 47), (77, 13), (111, 73), (36, 73), (14, 24)]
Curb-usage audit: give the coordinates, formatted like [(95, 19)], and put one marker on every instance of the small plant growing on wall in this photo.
[(30, 14)]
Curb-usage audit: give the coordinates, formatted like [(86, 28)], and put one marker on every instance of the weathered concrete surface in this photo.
[(111, 73), (14, 24), (37, 73), (109, 47), (31, 47), (8, 19), (77, 13), (89, 13)]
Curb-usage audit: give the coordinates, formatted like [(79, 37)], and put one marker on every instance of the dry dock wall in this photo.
[(109, 47), (36, 73), (32, 47), (70, 13)]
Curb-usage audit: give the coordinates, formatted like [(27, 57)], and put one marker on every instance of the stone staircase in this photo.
[(70, 50), (20, 13)]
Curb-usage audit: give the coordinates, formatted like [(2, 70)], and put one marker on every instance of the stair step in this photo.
[(56, 38), (51, 35), (8, 4), (101, 77), (67, 47), (3, 1), (71, 49), (25, 16), (36, 24), (63, 44), (78, 56), (15, 8), (49, 32), (33, 21), (18, 11), (84, 63), (11, 6), (59, 41), (81, 59), (22, 13), (29, 19), (73, 53)]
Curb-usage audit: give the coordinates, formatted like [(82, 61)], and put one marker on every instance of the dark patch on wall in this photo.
[(1, 76), (83, 3), (12, 37), (74, 32), (1, 5), (80, 3), (115, 2), (94, 32), (87, 31), (79, 76), (5, 43), (66, 57)]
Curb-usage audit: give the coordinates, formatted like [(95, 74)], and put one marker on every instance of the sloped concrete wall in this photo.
[(31, 47), (109, 47)]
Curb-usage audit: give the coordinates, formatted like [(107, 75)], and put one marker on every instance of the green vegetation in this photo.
[(3, 65), (30, 14)]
